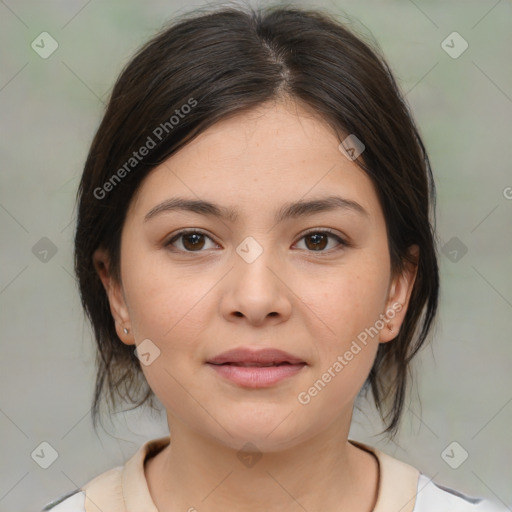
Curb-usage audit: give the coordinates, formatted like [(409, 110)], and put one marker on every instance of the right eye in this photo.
[(191, 240)]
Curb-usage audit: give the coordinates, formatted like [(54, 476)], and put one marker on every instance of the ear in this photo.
[(399, 293), (115, 296)]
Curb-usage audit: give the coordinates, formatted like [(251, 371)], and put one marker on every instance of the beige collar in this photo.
[(398, 482), (125, 489)]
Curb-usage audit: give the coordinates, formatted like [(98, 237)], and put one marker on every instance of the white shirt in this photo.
[(402, 488)]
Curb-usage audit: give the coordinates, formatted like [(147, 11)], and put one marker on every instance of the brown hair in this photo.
[(226, 61)]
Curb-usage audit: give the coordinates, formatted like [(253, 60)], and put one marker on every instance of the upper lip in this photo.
[(259, 356)]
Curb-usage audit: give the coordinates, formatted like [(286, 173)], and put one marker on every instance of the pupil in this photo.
[(317, 238), (195, 237)]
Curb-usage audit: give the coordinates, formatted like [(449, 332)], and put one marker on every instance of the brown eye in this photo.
[(191, 241), (317, 241)]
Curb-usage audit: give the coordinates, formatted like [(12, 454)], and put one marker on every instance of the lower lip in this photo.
[(257, 376)]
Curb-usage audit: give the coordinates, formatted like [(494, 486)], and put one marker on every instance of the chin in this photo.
[(268, 433)]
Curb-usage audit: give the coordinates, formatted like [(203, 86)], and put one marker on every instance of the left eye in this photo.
[(318, 240), (195, 241)]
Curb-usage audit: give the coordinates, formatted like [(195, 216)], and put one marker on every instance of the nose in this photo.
[(257, 291)]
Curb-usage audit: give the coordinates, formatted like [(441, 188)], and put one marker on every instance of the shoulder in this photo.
[(73, 501), (106, 486), (403, 487), (117, 489), (432, 497)]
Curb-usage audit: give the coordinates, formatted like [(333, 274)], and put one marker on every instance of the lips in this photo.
[(256, 365), (255, 358), (260, 368)]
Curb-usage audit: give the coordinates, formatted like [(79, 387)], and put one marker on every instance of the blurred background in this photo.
[(59, 61)]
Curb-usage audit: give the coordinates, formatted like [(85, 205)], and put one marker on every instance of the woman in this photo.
[(254, 247)]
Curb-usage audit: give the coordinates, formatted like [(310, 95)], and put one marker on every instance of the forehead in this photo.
[(258, 160)]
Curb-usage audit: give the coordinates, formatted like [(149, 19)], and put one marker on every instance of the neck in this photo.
[(322, 473)]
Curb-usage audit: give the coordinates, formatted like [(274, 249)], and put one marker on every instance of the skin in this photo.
[(194, 305)]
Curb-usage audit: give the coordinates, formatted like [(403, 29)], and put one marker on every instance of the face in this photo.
[(312, 282)]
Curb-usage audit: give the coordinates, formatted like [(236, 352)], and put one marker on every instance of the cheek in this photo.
[(346, 301), (168, 306), (164, 300), (347, 308)]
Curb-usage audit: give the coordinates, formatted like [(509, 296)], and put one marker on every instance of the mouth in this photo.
[(255, 357), (256, 368), (249, 364)]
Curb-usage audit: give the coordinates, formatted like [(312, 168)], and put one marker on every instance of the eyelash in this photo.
[(325, 231)]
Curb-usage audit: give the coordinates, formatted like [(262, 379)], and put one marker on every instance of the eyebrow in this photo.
[(287, 211)]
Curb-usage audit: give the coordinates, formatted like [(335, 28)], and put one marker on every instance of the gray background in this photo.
[(50, 109)]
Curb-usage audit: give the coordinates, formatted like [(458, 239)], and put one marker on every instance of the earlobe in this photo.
[(115, 296), (400, 291)]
